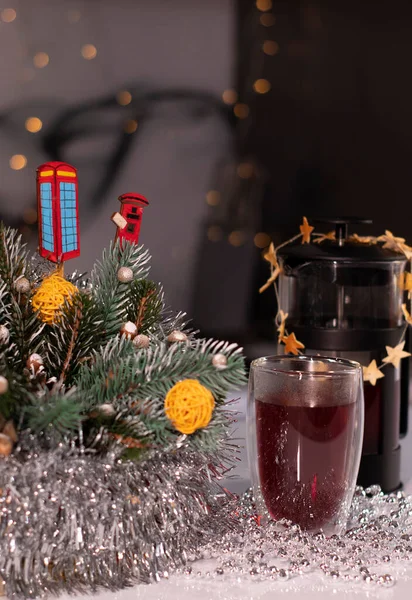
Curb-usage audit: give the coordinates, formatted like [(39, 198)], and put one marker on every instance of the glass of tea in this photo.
[(305, 429)]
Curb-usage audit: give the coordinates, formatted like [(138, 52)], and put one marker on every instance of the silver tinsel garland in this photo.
[(72, 522)]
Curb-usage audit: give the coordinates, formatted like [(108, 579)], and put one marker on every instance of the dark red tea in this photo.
[(303, 457)]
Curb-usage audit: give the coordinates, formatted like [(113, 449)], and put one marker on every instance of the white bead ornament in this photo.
[(22, 285), (219, 361), (125, 275), (4, 334), (129, 330), (34, 362), (6, 445), (141, 341), (177, 336), (4, 385)]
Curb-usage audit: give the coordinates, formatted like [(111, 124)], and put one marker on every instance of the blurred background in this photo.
[(233, 117)]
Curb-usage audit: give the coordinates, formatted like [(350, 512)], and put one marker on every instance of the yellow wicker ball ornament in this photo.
[(189, 406), (51, 295)]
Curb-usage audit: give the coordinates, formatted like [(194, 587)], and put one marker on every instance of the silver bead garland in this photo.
[(378, 541)]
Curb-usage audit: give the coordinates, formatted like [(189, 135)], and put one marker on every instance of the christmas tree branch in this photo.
[(74, 335), (110, 294)]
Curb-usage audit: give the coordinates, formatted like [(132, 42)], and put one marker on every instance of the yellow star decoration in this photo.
[(306, 230), (325, 236), (391, 242), (395, 355), (363, 239), (408, 317), (270, 255), (292, 345), (281, 329), (405, 282), (371, 373), (407, 250)]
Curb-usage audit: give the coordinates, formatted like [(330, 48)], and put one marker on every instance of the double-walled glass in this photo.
[(305, 429)]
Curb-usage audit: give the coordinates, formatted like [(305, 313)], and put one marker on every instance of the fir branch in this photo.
[(151, 373), (60, 414), (74, 336), (13, 256), (110, 294), (145, 305), (72, 340)]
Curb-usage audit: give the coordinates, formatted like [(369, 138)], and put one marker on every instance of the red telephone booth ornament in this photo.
[(129, 219), (58, 211)]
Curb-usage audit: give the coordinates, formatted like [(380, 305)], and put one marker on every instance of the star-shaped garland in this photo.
[(372, 372)]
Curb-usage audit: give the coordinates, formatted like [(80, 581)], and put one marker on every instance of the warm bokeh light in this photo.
[(261, 86), (17, 162), (30, 216), (236, 238), (270, 47), (241, 110), (89, 51), (267, 20), (41, 60), (261, 240), (214, 233), (245, 170), (263, 5), (229, 96), (8, 15), (130, 126), (74, 16), (213, 198), (33, 124), (124, 97)]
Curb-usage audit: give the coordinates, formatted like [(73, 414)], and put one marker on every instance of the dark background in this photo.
[(331, 137)]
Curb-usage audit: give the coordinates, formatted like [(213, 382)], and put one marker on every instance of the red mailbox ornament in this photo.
[(58, 211), (129, 219)]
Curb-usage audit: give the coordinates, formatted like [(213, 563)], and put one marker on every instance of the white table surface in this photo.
[(311, 586)]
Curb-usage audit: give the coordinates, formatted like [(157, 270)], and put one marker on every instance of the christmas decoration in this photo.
[(372, 373), (98, 419), (219, 361), (395, 355), (6, 445), (141, 341), (4, 385), (281, 328), (306, 230), (58, 210), (50, 297), (4, 334), (129, 219), (106, 409), (129, 330), (406, 314), (177, 336), (22, 285), (189, 405), (365, 560), (125, 275), (292, 345), (34, 363)]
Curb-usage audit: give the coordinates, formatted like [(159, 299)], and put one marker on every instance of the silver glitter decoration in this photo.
[(76, 522), (379, 536)]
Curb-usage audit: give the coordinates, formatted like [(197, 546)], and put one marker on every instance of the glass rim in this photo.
[(265, 363)]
